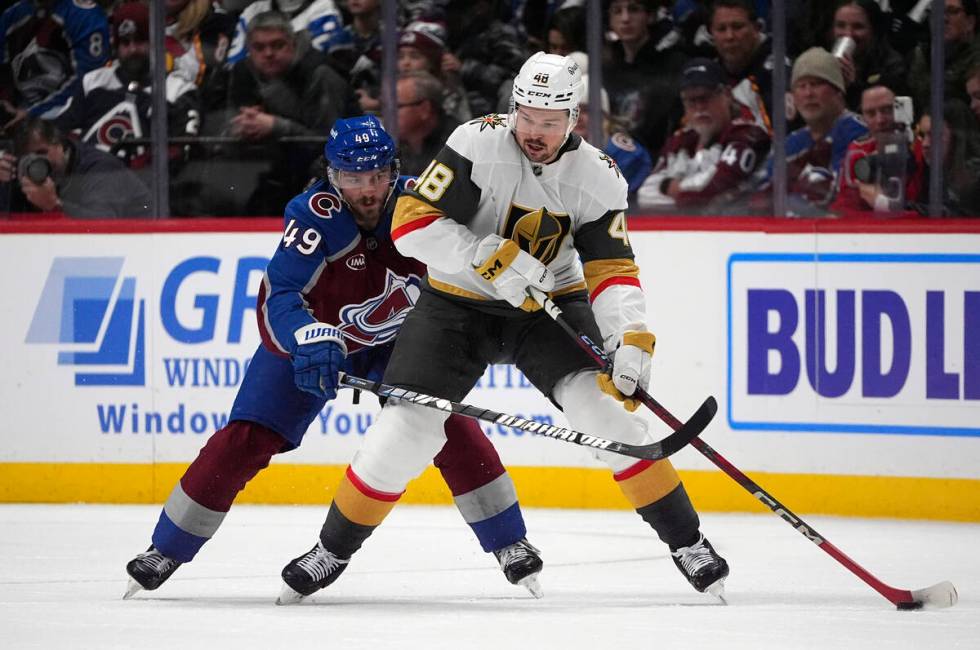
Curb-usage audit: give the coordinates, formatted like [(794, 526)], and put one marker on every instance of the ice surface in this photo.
[(422, 582)]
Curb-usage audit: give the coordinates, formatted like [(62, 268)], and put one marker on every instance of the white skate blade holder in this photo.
[(289, 596), (717, 589), (131, 589), (532, 585)]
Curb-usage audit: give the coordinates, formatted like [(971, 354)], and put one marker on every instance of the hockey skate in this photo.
[(314, 570), (521, 564), (703, 567), (148, 571)]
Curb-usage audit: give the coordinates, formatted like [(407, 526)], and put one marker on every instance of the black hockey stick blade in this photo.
[(654, 451), (691, 429)]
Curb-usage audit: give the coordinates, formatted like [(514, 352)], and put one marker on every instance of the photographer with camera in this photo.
[(51, 174), (880, 173)]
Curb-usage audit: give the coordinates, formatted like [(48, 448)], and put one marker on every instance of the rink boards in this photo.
[(845, 361)]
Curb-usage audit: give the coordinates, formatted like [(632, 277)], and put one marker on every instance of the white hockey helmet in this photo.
[(548, 81)]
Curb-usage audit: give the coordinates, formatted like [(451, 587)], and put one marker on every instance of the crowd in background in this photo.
[(252, 88)]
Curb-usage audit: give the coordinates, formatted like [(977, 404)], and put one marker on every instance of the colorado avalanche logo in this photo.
[(376, 320), (114, 130), (324, 204)]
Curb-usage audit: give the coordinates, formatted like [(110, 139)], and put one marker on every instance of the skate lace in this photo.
[(515, 552), (159, 563), (320, 563), (695, 557)]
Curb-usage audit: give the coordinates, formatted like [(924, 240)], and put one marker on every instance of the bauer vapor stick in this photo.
[(937, 596), (652, 451)]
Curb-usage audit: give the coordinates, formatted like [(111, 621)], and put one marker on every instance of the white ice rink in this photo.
[(422, 582)]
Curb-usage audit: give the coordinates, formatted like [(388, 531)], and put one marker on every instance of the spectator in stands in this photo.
[(961, 173), (873, 61), (198, 41), (973, 91), (113, 103), (278, 91), (46, 47), (318, 21), (363, 33), (878, 164), (630, 156), (815, 151), (423, 127), (566, 31), (59, 177), (422, 46), (484, 50), (745, 54), (711, 160), (959, 34), (642, 71), (358, 46)]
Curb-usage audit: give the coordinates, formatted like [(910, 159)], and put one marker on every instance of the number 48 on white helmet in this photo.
[(548, 81)]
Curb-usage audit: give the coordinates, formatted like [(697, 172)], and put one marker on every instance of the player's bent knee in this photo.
[(590, 410), (399, 446)]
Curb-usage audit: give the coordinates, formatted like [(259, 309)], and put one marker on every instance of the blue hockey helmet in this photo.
[(359, 144)]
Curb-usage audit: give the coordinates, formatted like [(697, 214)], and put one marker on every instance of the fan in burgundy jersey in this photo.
[(715, 155)]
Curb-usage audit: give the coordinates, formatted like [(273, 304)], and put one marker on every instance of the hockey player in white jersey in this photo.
[(512, 203)]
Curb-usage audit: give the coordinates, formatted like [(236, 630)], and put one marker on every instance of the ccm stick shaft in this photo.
[(937, 596)]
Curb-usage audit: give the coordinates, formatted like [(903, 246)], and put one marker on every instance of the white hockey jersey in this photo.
[(569, 214)]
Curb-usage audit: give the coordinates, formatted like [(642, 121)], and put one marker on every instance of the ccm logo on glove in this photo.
[(630, 368), (510, 271)]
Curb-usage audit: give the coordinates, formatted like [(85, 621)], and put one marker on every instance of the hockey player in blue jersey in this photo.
[(333, 297)]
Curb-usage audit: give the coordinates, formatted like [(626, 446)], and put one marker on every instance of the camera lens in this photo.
[(866, 168), (34, 167)]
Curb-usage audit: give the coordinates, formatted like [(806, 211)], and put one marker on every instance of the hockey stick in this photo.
[(653, 451), (937, 596), (687, 431)]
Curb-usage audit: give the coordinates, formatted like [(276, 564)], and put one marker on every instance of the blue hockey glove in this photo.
[(318, 359)]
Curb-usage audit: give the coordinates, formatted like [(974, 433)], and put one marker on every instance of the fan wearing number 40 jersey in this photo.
[(713, 159), (509, 204), (333, 298)]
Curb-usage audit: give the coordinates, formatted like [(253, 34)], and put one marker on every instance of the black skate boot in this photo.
[(148, 571), (310, 572), (703, 567), (521, 564)]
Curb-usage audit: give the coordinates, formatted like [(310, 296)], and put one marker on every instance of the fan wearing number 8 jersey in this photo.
[(712, 160), (333, 298)]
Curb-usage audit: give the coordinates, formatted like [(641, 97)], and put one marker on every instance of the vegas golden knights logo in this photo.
[(538, 232)]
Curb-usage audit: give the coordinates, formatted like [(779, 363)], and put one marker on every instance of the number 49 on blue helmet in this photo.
[(360, 144)]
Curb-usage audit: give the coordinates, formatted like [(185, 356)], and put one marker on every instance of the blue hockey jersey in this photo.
[(327, 269)]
